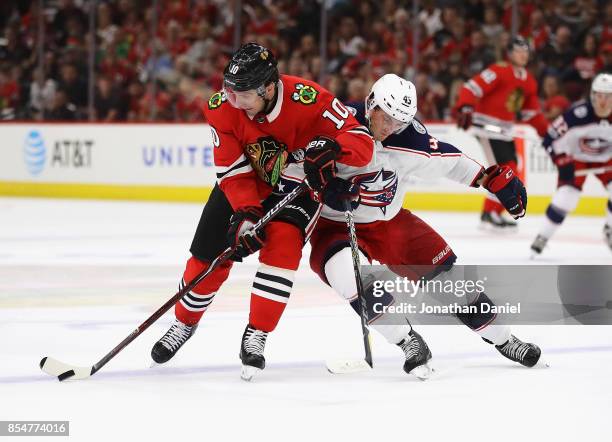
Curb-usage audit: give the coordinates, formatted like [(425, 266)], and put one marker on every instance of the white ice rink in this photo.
[(77, 276)]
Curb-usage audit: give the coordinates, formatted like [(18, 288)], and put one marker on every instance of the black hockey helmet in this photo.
[(517, 42), (252, 66)]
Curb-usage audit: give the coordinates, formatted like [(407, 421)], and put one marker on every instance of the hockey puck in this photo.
[(42, 362), (66, 375)]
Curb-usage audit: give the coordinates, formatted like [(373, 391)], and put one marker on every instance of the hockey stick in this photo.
[(340, 366), (593, 170), (64, 371), (504, 132)]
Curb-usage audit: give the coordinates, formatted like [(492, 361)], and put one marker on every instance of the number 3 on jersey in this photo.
[(339, 114)]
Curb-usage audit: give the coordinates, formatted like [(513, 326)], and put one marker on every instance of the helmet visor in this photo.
[(246, 100)]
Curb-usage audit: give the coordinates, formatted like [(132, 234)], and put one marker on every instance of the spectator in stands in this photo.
[(480, 55), (492, 28), (9, 95), (559, 53), (554, 103), (42, 94), (73, 85), (366, 38), (109, 104), (588, 62), (351, 43), (606, 57), (62, 109)]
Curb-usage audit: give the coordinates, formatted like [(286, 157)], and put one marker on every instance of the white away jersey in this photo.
[(579, 133), (383, 182)]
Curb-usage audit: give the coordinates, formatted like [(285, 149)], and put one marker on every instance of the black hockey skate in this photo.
[(496, 221), (417, 355), (168, 345), (608, 235), (251, 352), (518, 351), (538, 244)]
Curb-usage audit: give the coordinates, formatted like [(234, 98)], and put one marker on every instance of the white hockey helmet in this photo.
[(601, 83), (395, 96)]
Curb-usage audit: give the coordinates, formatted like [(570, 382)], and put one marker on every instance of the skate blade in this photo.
[(248, 372), (422, 372), (491, 228)]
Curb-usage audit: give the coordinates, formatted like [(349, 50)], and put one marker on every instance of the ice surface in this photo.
[(77, 276)]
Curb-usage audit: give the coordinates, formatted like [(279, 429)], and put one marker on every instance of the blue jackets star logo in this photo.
[(377, 189)]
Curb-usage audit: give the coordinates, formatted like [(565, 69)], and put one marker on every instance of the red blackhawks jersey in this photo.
[(251, 153), (501, 95)]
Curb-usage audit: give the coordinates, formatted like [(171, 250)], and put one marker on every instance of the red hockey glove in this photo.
[(339, 192), (239, 234), (510, 191), (464, 117), (320, 161)]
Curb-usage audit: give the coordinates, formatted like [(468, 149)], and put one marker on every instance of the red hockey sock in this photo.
[(279, 258), (192, 306), (492, 205)]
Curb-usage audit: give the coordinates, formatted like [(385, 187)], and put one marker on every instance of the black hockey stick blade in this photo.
[(64, 371)]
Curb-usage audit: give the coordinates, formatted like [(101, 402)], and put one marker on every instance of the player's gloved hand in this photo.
[(566, 166), (464, 117), (320, 161), (340, 192), (510, 191), (239, 234)]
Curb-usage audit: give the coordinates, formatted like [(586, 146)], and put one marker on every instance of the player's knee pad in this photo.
[(340, 274), (283, 246), (213, 281), (482, 316), (565, 199)]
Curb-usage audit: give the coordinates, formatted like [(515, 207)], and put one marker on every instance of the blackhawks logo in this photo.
[(216, 100), (305, 94), (515, 100), (268, 158)]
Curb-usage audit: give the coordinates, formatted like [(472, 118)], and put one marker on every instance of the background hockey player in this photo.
[(258, 121), (499, 96), (394, 236), (579, 140)]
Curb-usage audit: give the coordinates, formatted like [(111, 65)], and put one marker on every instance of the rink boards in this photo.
[(174, 162)]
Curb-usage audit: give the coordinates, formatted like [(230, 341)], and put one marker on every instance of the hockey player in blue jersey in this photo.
[(580, 142)]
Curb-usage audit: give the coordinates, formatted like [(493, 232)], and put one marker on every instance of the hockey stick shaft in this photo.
[(350, 223), (224, 256), (593, 170), (509, 133)]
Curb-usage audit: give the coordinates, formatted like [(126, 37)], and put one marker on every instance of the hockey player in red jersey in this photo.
[(261, 122), (500, 95), (396, 237)]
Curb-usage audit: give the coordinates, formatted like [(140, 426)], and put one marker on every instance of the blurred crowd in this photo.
[(161, 64)]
